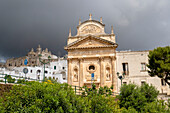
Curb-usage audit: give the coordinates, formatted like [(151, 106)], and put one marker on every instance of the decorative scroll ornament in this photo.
[(90, 29)]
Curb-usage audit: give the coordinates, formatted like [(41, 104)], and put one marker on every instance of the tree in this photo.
[(136, 97), (159, 63)]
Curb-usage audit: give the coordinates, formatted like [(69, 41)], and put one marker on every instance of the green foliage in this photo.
[(101, 100), (159, 63), (129, 110), (60, 98), (136, 97), (10, 79), (21, 81), (1, 81), (156, 107), (43, 97), (50, 97), (94, 91), (149, 92)]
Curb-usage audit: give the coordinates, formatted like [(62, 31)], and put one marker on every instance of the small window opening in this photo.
[(143, 82), (54, 67), (91, 67)]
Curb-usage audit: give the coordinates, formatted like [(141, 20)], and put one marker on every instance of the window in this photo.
[(125, 68), (91, 67), (143, 66), (124, 82), (143, 82), (163, 82), (31, 71), (46, 71), (54, 67)]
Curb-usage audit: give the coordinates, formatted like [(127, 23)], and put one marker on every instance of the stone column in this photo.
[(114, 77), (102, 78), (69, 76), (81, 82)]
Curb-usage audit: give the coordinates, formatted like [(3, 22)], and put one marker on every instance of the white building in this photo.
[(133, 64), (55, 70)]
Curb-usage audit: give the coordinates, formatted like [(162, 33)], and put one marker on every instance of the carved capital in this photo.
[(113, 58), (81, 59), (101, 58), (69, 60)]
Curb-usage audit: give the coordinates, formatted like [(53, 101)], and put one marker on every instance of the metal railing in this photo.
[(79, 90), (4, 78)]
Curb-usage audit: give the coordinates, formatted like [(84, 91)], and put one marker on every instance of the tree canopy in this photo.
[(159, 63)]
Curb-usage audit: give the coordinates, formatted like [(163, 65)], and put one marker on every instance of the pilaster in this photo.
[(114, 77), (81, 82), (69, 77), (102, 78)]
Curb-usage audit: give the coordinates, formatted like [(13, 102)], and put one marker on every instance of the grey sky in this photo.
[(138, 24)]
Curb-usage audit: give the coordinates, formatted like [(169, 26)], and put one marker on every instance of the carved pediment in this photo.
[(90, 29), (90, 41)]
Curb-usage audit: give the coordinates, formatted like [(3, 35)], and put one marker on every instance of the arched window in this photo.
[(91, 67)]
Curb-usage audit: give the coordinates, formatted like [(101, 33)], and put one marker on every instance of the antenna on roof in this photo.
[(100, 19), (70, 32), (79, 21), (112, 30), (90, 16)]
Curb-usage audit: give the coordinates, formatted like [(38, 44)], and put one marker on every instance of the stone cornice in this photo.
[(97, 35), (94, 47), (89, 57)]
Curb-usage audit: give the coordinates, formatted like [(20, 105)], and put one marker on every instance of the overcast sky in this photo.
[(138, 24)]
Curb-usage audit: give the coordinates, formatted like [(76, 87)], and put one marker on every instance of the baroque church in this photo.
[(32, 57), (92, 51)]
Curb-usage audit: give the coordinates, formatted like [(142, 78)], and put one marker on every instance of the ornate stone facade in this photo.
[(32, 57), (92, 51)]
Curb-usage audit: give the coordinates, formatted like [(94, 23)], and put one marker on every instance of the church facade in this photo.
[(92, 51), (32, 57)]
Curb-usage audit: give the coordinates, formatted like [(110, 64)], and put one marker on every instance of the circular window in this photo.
[(91, 67)]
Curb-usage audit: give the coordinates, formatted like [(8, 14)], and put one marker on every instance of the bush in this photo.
[(42, 97), (54, 97), (10, 79), (156, 107), (137, 97), (22, 81)]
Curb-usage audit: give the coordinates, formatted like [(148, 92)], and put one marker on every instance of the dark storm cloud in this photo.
[(138, 24)]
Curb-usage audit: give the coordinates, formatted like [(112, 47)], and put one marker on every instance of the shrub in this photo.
[(10, 79), (41, 97), (156, 107), (21, 81), (137, 97)]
